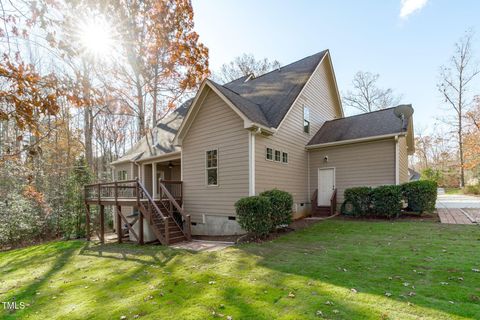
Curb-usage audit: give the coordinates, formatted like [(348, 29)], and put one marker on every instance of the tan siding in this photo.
[(127, 166), (361, 164), (319, 96), (403, 160), (148, 177), (216, 126)]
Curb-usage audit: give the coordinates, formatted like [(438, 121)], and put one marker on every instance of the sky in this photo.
[(404, 41)]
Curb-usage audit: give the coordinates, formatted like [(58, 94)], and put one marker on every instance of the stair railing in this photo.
[(186, 217)]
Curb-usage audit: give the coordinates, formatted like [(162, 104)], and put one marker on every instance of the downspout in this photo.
[(397, 161), (251, 161)]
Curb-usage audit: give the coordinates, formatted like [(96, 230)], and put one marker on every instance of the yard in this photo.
[(336, 270)]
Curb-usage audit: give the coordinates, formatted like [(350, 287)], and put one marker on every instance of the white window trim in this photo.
[(287, 157), (206, 168), (273, 155), (118, 175)]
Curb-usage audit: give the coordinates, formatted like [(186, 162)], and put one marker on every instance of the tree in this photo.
[(366, 96), (454, 87), (245, 65), (162, 55), (472, 136)]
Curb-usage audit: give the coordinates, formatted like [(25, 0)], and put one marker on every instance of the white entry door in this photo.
[(326, 185)]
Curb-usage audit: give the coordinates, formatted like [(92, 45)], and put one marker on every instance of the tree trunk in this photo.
[(88, 120), (141, 111)]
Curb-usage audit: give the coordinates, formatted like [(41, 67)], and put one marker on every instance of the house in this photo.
[(413, 175), (285, 129)]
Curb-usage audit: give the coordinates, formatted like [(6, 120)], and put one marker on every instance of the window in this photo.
[(122, 175), (284, 157), (306, 119), (212, 167), (270, 154), (277, 155)]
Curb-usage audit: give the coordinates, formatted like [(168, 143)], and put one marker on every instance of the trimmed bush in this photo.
[(282, 203), (387, 201), (420, 195), (360, 200), (473, 189), (254, 215)]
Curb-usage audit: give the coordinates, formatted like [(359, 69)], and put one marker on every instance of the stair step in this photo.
[(177, 233), (176, 240)]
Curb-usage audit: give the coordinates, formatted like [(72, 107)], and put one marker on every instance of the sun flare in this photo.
[(96, 37)]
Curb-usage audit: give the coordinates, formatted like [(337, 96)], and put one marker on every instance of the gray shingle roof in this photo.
[(163, 134), (365, 125), (267, 98), (251, 110)]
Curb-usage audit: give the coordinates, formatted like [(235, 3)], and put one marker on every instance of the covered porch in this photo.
[(168, 170), (155, 195)]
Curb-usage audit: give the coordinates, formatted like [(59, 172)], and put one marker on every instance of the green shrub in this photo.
[(254, 215), (387, 201), (421, 195), (473, 189), (282, 203), (432, 175), (359, 199)]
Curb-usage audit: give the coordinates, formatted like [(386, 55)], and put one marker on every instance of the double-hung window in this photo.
[(269, 155), (121, 175), (212, 167), (277, 155), (284, 157)]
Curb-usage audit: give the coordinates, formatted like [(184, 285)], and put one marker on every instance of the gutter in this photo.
[(351, 141)]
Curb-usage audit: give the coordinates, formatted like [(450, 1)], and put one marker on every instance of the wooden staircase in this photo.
[(323, 211), (166, 217)]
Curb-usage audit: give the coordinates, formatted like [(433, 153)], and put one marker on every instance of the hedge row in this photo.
[(264, 213), (387, 201)]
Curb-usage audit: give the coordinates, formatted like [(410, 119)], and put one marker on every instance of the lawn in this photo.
[(453, 191), (334, 269)]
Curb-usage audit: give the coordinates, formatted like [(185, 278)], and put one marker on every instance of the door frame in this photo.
[(318, 179)]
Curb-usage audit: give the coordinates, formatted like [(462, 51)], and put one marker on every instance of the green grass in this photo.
[(453, 191), (425, 269)]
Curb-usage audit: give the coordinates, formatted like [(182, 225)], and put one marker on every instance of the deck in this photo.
[(165, 215), (457, 215)]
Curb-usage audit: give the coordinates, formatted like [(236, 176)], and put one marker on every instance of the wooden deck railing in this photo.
[(333, 202), (133, 193), (173, 202), (174, 187)]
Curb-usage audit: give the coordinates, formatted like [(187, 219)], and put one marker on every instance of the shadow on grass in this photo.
[(27, 294), (146, 254), (431, 260)]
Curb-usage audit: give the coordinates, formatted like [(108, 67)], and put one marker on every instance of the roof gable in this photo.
[(275, 92)]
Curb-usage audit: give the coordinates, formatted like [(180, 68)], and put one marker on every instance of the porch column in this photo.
[(154, 180)]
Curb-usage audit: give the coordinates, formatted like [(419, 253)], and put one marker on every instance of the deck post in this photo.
[(98, 191), (87, 221), (167, 233), (119, 224), (102, 223), (140, 225), (140, 214)]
